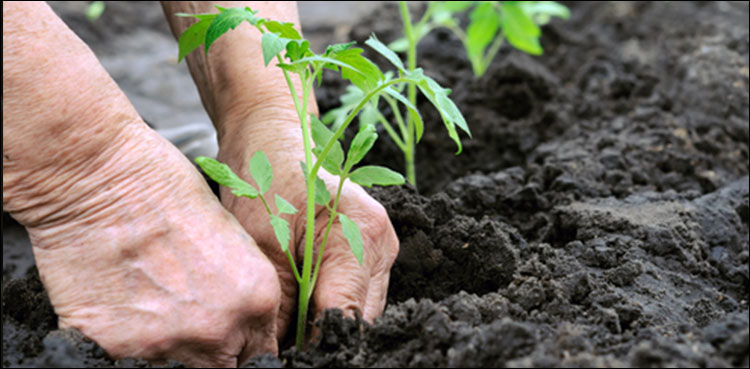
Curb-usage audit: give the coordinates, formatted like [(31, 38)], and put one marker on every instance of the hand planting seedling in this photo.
[(322, 149), (490, 23)]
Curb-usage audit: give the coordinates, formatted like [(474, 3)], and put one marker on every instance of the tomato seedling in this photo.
[(282, 42), (490, 23)]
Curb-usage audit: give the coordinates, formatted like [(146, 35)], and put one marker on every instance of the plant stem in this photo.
[(411, 56), (304, 283), (342, 178), (494, 48), (391, 132)]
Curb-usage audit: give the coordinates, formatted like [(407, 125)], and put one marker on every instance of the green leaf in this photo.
[(322, 196), (261, 171), (541, 11), (457, 6), (318, 58), (400, 45), (353, 236), (298, 49), (448, 107), (520, 30), (228, 19), (337, 48), (284, 206), (223, 175), (369, 115), (418, 123), (285, 30), (197, 16), (485, 22), (349, 101), (271, 44), (438, 96), (95, 10), (361, 144), (380, 47), (281, 230), (194, 36), (375, 175), (321, 136), (362, 72)]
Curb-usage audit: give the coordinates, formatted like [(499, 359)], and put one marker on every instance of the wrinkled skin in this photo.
[(243, 96), (131, 245)]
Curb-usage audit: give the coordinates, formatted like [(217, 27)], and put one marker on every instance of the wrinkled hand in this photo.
[(342, 282)]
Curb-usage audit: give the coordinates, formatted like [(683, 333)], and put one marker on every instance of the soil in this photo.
[(598, 216)]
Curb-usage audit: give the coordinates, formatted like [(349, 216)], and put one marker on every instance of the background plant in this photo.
[(490, 23), (294, 56)]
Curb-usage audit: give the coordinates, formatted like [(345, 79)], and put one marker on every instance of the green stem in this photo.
[(397, 113), (288, 253), (494, 48), (411, 56), (304, 285), (391, 132), (328, 229)]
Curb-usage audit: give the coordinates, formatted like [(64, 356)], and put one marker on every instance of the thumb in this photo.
[(342, 282)]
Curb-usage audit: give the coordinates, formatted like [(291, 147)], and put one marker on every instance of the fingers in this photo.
[(345, 284), (342, 282)]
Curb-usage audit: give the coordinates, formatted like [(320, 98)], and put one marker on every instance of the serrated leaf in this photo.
[(448, 107), (361, 144), (485, 23), (353, 236), (437, 95), (400, 45), (337, 48), (281, 230), (223, 175), (457, 6), (520, 30), (376, 175), (261, 171), (368, 115), (361, 72), (321, 136), (413, 112), (229, 18), (318, 58), (193, 37), (284, 206), (541, 11), (271, 44), (380, 47), (297, 49), (285, 30), (349, 100), (322, 196)]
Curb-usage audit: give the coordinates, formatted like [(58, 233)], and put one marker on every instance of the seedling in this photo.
[(490, 23), (282, 42)]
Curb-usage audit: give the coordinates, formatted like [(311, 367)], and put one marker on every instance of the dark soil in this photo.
[(599, 216)]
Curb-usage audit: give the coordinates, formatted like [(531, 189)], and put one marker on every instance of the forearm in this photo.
[(236, 88), (61, 110)]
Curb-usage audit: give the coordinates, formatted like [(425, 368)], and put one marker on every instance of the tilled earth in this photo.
[(599, 216)]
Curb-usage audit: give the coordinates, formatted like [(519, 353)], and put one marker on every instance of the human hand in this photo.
[(342, 282), (132, 247)]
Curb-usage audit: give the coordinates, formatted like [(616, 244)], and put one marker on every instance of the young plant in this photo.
[(322, 148), (490, 23)]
